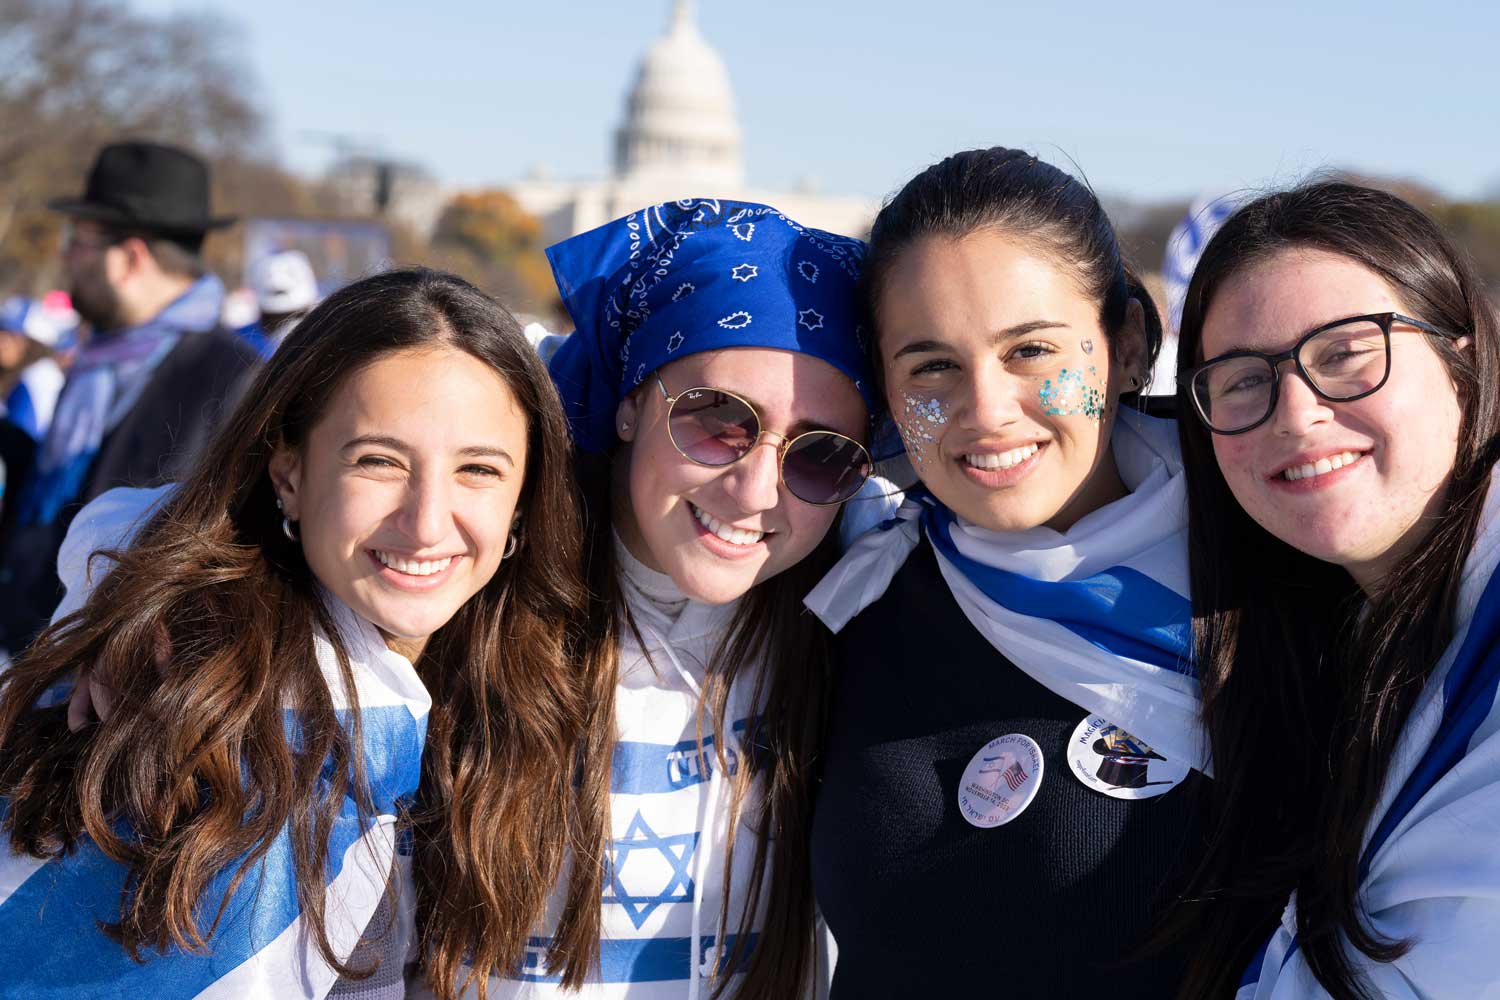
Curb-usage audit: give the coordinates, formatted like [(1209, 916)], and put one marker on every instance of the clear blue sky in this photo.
[(1152, 99)]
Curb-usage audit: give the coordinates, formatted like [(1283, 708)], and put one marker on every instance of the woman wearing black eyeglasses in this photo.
[(1015, 716), (1343, 367)]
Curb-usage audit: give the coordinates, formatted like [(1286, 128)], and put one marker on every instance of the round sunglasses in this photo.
[(714, 427)]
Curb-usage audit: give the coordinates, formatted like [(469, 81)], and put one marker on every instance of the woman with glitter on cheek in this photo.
[(987, 769), (1001, 379)]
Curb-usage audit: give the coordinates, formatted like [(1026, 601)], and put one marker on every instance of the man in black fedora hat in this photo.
[(150, 382)]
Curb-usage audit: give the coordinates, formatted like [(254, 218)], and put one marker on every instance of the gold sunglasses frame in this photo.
[(761, 432)]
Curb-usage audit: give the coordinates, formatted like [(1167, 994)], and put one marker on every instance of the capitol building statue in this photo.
[(680, 138)]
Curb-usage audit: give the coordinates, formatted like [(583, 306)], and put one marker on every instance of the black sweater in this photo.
[(923, 904)]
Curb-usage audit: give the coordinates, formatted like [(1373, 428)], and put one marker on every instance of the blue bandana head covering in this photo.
[(699, 275)]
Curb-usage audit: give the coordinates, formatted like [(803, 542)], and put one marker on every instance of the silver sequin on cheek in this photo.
[(1069, 395), (919, 419), (1088, 347)]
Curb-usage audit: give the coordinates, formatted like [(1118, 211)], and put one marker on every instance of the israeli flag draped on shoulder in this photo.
[(1430, 872), (1100, 614), (51, 944)]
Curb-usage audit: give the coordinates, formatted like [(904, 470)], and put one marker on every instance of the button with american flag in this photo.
[(1001, 780)]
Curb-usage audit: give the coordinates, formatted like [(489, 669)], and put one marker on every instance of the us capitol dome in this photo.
[(680, 137)]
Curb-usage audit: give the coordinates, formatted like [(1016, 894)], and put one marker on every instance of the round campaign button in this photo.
[(1110, 760), (1001, 780)]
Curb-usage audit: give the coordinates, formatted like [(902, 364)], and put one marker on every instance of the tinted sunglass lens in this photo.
[(712, 427), (825, 468)]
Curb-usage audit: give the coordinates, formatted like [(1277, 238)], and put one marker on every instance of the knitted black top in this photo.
[(924, 904)]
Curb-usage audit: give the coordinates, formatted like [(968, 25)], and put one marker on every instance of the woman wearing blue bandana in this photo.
[(719, 394), (1342, 368), (1014, 709)]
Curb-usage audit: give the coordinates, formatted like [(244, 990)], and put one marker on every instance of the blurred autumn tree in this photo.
[(487, 237), (82, 73)]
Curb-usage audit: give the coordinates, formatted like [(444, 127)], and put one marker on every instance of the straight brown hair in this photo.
[(775, 645), (194, 758)]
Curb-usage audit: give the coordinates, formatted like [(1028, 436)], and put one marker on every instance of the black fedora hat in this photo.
[(143, 185)]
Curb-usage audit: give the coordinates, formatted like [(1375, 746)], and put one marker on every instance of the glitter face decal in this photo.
[(1071, 395), (1088, 347), (920, 418)]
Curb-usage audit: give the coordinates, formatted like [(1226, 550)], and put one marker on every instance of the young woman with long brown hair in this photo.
[(1341, 397), (353, 612), (716, 387)]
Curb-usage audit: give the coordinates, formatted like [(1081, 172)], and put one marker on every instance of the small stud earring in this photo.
[(624, 425)]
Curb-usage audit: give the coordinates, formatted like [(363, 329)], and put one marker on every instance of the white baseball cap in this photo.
[(284, 282)]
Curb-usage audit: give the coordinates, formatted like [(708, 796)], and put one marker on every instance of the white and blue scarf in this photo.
[(51, 944), (1099, 614), (104, 384), (1430, 871)]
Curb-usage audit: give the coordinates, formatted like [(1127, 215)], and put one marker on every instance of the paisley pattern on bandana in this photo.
[(699, 275)]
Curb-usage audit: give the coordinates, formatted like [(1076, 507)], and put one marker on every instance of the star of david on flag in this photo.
[(652, 861)]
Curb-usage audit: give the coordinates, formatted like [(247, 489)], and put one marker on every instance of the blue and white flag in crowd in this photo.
[(1184, 246)]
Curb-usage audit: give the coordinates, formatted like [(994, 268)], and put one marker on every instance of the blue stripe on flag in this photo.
[(1468, 699), (659, 768), (635, 960), (21, 411), (51, 945), (1252, 972), (1469, 693), (1120, 610)]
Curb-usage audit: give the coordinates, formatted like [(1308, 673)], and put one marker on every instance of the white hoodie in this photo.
[(664, 880)]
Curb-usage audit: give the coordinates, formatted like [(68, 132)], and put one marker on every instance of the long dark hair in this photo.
[(1015, 193), (1292, 660), (193, 757), (775, 645)]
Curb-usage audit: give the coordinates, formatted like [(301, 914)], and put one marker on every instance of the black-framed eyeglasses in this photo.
[(1341, 361), (714, 427)]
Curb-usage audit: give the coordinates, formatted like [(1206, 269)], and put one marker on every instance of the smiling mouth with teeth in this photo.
[(735, 536), (1004, 459), (1321, 467), (412, 567)]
